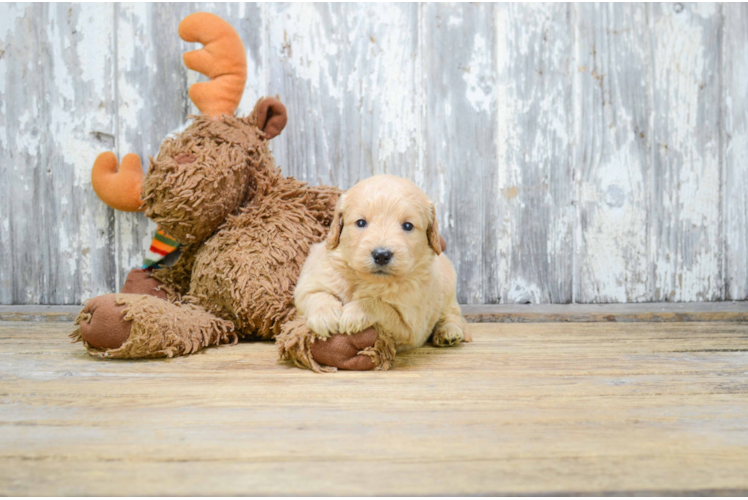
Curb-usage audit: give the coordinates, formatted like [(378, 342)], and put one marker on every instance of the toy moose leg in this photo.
[(366, 350), (139, 322)]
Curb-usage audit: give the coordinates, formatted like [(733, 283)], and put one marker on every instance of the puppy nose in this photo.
[(381, 256)]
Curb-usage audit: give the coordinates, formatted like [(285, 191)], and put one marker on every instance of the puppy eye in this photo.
[(407, 226), (361, 223)]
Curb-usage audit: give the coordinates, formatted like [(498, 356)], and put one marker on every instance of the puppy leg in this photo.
[(361, 314), (450, 331), (323, 312), (356, 317)]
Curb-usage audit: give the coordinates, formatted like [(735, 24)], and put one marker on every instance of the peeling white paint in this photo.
[(257, 76), (522, 292), (12, 15), (400, 122), (611, 261), (132, 54), (96, 34), (534, 246), (735, 116), (689, 154), (309, 53), (476, 74)]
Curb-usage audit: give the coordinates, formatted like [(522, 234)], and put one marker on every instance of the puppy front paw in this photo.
[(325, 322), (447, 335), (354, 319)]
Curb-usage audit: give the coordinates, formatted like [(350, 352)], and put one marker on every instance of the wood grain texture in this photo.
[(57, 105), (687, 241), (652, 312), (348, 75), (612, 94), (525, 409), (536, 248), (501, 313), (735, 146), (459, 65), (575, 152)]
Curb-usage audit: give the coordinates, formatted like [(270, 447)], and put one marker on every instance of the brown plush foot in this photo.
[(366, 350), (130, 326), (102, 324), (141, 282), (105, 327), (342, 350)]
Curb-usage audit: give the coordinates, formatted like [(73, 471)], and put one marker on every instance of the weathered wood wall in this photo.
[(575, 152)]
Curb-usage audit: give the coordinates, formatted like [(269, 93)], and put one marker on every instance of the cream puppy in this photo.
[(382, 266)]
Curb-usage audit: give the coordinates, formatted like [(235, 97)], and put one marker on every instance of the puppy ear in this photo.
[(333, 237), (432, 233)]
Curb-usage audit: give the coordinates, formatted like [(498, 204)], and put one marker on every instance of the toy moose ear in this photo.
[(336, 228), (271, 116)]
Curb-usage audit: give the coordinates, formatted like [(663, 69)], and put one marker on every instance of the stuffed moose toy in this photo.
[(244, 230)]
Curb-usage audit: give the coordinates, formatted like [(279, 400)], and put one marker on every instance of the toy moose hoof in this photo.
[(127, 326), (101, 322), (366, 350)]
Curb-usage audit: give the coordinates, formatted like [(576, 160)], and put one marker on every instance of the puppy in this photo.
[(382, 266)]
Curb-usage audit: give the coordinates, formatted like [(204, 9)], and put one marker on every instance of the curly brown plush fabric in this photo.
[(160, 329), (191, 199), (295, 345), (247, 271)]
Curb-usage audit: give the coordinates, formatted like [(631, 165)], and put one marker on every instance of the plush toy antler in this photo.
[(224, 61)]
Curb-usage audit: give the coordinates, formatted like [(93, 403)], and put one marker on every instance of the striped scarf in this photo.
[(161, 246)]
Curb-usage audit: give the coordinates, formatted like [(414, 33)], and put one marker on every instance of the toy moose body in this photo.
[(245, 229)]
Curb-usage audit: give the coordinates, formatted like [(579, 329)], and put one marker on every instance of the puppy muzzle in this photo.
[(381, 256)]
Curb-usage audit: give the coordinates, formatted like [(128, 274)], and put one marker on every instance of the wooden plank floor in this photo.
[(526, 408), (500, 313)]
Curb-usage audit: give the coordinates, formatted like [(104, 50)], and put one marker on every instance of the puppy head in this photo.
[(385, 227)]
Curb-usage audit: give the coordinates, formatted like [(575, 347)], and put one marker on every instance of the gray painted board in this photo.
[(535, 172), (612, 112), (687, 241), (734, 107), (574, 152), (57, 96), (459, 64)]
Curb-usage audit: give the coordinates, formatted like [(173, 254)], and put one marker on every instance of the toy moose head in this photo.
[(219, 149)]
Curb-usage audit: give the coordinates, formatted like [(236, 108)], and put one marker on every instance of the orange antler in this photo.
[(222, 59), (120, 189)]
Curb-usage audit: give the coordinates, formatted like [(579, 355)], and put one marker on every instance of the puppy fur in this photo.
[(374, 269)]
